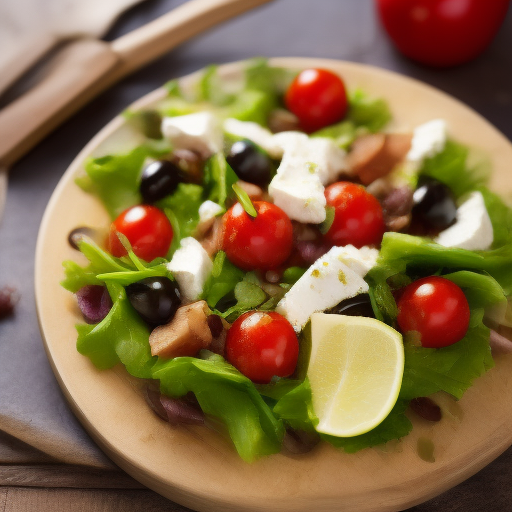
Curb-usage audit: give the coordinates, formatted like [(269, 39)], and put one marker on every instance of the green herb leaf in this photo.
[(219, 179), (329, 219), (244, 200)]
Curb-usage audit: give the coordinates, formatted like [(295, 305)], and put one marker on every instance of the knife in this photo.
[(87, 67)]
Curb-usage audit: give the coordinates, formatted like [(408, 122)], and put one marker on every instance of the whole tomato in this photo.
[(264, 242), (442, 32), (148, 230), (358, 218), (436, 308), (262, 344), (318, 98)]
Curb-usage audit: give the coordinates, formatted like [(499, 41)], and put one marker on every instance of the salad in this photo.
[(260, 214)]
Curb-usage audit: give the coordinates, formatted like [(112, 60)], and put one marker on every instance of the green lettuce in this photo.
[(366, 112), (451, 167), (115, 179), (122, 336), (451, 369), (227, 395), (182, 210)]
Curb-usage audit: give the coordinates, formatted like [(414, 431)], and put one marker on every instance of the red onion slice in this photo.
[(94, 302), (499, 344)]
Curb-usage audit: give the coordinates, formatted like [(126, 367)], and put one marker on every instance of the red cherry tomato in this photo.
[(442, 32), (358, 216), (318, 98), (263, 242), (148, 230), (437, 309), (262, 344)]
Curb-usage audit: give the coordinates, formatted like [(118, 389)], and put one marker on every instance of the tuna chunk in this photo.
[(185, 335)]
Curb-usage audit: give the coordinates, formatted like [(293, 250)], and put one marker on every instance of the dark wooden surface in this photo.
[(30, 477)]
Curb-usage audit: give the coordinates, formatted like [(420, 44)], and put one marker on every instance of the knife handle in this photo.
[(153, 40), (68, 85), (88, 67)]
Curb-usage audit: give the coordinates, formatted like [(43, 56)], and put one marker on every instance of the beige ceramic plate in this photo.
[(198, 468)]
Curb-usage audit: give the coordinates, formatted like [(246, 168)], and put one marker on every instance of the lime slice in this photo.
[(355, 371)]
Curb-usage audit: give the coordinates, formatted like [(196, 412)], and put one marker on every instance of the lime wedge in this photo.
[(355, 371)]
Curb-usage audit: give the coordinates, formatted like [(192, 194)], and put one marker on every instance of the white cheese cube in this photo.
[(191, 267), (329, 158), (336, 276), (209, 210), (254, 132), (472, 229), (428, 139), (199, 132), (300, 199)]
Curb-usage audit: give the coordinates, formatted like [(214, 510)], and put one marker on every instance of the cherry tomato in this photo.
[(442, 32), (358, 216), (318, 98), (262, 344), (263, 242), (148, 230), (436, 308)]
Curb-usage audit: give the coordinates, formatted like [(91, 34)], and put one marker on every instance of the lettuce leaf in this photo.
[(451, 369), (122, 336), (295, 408), (224, 393), (501, 217), (115, 179), (451, 167), (370, 113), (400, 252), (182, 210), (222, 280)]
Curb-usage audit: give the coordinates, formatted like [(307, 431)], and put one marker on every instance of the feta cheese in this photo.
[(209, 210), (254, 132), (472, 229), (199, 132), (318, 156), (428, 140), (336, 276), (191, 267), (307, 165), (300, 199)]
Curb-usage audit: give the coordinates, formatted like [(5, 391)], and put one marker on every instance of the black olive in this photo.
[(77, 234), (250, 163), (434, 207), (155, 299), (159, 179), (360, 305)]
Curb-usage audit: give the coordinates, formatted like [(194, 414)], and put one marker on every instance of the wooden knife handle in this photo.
[(181, 24), (88, 67)]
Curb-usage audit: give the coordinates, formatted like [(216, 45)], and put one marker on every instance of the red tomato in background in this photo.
[(318, 98), (262, 344), (261, 243), (442, 32), (148, 230), (436, 308), (358, 218)]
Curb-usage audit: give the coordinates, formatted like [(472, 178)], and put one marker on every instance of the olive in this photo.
[(159, 179), (434, 206), (149, 122), (250, 163), (360, 305), (155, 299)]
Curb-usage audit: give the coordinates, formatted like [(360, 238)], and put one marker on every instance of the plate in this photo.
[(200, 469)]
